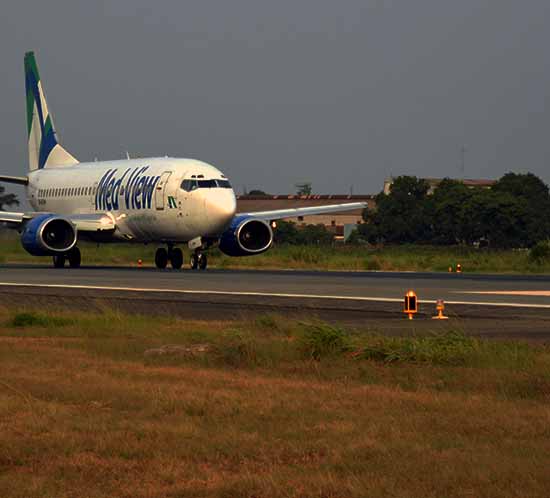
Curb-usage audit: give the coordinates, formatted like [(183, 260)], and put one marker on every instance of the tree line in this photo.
[(513, 213), (7, 199)]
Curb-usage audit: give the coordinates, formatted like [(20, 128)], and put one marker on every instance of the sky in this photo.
[(341, 94)]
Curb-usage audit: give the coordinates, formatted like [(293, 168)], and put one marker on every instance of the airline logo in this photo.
[(133, 189)]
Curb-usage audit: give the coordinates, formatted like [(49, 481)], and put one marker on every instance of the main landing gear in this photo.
[(73, 257), (174, 255)]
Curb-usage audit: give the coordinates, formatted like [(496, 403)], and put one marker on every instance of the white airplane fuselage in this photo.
[(144, 197)]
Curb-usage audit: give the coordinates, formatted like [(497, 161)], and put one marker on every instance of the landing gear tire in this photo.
[(176, 258), (199, 261), (74, 257), (59, 261), (161, 258)]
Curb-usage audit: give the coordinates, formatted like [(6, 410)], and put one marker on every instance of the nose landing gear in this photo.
[(199, 261)]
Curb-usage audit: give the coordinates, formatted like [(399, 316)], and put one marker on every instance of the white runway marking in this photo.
[(539, 293), (266, 294)]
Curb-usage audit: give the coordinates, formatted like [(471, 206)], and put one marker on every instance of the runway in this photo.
[(500, 305)]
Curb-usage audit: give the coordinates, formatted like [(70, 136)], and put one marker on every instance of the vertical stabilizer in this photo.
[(44, 149)]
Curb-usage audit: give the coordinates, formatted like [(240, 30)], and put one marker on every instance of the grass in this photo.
[(270, 408), (338, 257)]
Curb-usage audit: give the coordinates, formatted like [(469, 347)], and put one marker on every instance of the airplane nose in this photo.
[(221, 206)]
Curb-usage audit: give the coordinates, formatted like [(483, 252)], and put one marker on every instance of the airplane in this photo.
[(162, 200)]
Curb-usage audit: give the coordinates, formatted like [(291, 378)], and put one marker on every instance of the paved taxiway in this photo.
[(498, 304)]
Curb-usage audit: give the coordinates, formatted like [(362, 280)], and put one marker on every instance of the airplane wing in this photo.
[(17, 180), (279, 214), (12, 218), (83, 222)]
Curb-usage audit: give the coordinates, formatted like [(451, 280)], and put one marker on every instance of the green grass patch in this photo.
[(335, 257), (34, 319), (453, 348), (320, 340)]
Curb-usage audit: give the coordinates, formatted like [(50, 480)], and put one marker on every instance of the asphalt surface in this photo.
[(493, 305)]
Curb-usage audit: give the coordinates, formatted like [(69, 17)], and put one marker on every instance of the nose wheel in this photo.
[(199, 261)]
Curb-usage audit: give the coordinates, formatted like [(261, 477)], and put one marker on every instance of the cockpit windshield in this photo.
[(191, 184)]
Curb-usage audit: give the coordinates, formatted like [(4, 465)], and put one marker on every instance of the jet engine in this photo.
[(48, 234), (246, 236)]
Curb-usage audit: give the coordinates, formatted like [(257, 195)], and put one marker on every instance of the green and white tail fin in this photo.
[(44, 148)]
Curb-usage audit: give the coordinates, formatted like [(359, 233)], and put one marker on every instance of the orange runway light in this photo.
[(440, 307), (140, 263), (459, 268), (411, 304)]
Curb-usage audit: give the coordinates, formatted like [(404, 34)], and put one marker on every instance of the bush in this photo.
[(540, 252), (31, 319), (237, 349), (319, 340), (449, 348)]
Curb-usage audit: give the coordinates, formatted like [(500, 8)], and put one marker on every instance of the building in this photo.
[(334, 221), (338, 223), (434, 182)]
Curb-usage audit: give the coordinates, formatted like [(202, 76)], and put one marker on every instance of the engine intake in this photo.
[(246, 236), (48, 234)]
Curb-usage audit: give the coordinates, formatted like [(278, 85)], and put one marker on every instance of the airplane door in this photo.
[(160, 190)]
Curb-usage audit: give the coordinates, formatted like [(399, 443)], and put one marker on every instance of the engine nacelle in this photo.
[(246, 236), (48, 234)]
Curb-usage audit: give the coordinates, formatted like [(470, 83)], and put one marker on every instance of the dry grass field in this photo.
[(98, 406)]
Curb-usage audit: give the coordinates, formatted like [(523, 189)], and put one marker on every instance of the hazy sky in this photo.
[(338, 93)]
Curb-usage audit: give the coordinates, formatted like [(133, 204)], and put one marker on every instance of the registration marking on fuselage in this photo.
[(263, 294)]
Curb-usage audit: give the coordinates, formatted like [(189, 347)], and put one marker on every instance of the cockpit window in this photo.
[(190, 185), (207, 184)]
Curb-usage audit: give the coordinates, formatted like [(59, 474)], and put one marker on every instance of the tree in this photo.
[(449, 214), (402, 216), (315, 235), (285, 233), (257, 192), (7, 199), (533, 212), (303, 189)]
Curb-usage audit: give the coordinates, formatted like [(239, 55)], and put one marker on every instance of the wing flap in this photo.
[(13, 218), (84, 222), (99, 222), (18, 180), (279, 214)]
